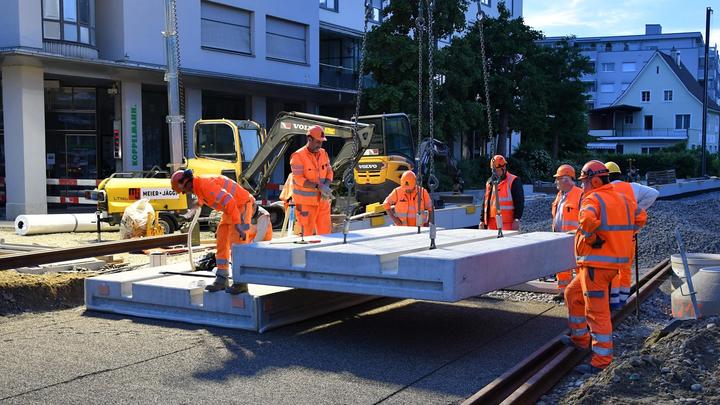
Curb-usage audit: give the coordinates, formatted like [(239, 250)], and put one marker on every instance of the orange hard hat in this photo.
[(565, 170), (178, 179), (497, 161), (317, 132), (593, 168), (408, 179)]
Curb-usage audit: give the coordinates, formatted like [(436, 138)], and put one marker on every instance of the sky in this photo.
[(588, 18)]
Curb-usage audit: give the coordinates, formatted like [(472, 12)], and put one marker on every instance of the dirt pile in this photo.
[(32, 292), (678, 364)]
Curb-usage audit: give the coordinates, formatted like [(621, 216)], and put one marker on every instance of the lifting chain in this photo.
[(433, 182), (481, 28)]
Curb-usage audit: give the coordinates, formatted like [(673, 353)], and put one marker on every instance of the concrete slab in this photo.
[(449, 273), (451, 217), (682, 187)]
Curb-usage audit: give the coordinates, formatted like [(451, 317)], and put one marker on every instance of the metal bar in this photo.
[(10, 262), (688, 276)]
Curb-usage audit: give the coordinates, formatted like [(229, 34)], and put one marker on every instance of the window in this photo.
[(667, 95), (650, 150), (69, 20), (607, 67), (682, 121), (628, 66), (645, 96), (624, 86), (377, 7), (331, 5), (629, 119), (286, 40), (607, 87), (626, 47), (589, 87), (226, 28), (590, 104), (608, 47), (485, 2)]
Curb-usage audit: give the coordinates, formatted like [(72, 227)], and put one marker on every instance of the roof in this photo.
[(643, 138), (688, 80), (601, 145), (636, 37), (619, 107)]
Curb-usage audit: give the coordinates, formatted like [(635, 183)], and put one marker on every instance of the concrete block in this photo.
[(174, 291), (449, 273), (119, 285)]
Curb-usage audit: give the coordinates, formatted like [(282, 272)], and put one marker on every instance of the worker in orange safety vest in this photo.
[(511, 201), (607, 221), (312, 175), (237, 206), (402, 203), (565, 210), (644, 196)]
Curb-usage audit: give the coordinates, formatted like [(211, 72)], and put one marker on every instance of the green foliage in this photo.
[(531, 164)]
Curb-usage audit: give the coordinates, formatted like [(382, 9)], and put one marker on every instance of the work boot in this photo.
[(559, 298), (220, 283), (565, 340), (237, 288), (587, 369)]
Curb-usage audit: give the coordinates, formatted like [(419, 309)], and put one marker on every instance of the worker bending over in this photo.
[(237, 206), (607, 221), (644, 197), (511, 197), (565, 210), (402, 203), (312, 175)]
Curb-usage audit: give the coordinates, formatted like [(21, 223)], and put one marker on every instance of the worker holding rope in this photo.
[(504, 197)]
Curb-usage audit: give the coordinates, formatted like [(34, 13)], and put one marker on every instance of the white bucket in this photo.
[(696, 261)]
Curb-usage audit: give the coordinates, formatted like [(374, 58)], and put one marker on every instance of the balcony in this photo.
[(338, 77), (637, 133)]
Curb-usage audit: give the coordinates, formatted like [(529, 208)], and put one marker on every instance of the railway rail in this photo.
[(538, 373)]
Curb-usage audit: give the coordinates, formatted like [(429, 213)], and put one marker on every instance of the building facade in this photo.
[(618, 59), (661, 107)]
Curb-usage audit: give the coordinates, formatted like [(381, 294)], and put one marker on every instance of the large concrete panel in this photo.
[(463, 265)]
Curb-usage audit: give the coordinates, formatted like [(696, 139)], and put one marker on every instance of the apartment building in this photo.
[(618, 59)]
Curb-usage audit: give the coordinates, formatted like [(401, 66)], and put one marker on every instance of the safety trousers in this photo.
[(563, 279), (227, 235), (313, 219), (587, 300)]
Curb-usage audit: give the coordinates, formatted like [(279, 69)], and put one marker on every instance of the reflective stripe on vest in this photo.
[(603, 259), (504, 189)]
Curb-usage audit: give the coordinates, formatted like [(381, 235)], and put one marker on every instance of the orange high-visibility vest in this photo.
[(607, 216), (223, 194), (406, 205), (314, 167), (625, 189), (566, 218), (506, 201)]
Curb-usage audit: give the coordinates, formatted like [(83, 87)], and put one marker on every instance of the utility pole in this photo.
[(174, 119), (703, 166)]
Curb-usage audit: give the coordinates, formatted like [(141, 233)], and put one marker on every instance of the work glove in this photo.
[(482, 226), (189, 214), (325, 191), (241, 231)]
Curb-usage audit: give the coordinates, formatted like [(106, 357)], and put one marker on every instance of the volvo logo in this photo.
[(369, 166)]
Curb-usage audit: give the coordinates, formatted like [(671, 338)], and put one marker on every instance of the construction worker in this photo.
[(311, 192), (607, 221), (260, 226), (565, 210), (402, 203), (512, 197), (644, 197), (237, 206)]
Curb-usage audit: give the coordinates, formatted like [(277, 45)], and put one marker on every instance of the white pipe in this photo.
[(193, 224), (59, 223)]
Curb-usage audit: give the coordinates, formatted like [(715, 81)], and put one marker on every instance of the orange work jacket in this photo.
[(223, 194), (565, 210), (314, 167), (406, 205), (506, 201), (608, 221)]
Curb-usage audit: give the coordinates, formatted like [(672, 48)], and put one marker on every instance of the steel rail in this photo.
[(528, 380), (35, 258)]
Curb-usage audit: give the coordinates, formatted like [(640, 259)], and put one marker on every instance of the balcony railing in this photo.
[(639, 132), (338, 77)]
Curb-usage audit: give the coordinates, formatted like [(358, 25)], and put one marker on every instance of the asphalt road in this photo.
[(389, 352)]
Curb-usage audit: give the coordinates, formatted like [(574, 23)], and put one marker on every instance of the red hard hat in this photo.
[(177, 180), (408, 179), (593, 168), (497, 161), (317, 132), (565, 170)]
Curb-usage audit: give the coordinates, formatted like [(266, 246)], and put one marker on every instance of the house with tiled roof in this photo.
[(661, 107)]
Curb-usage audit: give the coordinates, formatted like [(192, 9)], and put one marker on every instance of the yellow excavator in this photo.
[(239, 149)]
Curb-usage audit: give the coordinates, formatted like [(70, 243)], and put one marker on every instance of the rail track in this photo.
[(538, 373)]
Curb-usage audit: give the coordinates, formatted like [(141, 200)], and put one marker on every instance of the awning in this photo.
[(616, 108), (602, 145)]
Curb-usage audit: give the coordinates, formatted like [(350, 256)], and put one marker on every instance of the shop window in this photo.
[(69, 20)]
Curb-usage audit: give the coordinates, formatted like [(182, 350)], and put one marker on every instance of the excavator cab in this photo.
[(391, 152), (225, 146)]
